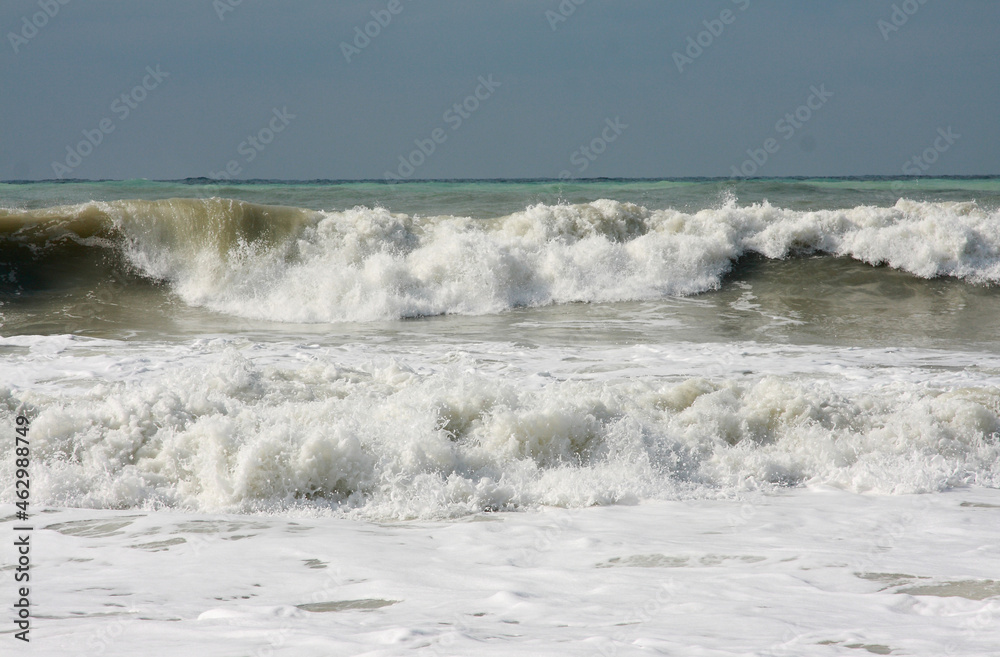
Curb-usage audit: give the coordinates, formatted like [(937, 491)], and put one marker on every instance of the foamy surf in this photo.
[(365, 264), (383, 435), (806, 573), (805, 459)]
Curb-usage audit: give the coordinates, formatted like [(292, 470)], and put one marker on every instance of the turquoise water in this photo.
[(496, 198)]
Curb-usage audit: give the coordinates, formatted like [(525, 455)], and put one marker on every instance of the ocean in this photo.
[(593, 417)]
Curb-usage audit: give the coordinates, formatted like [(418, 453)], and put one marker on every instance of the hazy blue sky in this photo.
[(562, 85)]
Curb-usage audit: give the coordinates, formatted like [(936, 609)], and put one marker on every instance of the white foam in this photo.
[(443, 433), (365, 264), (811, 572)]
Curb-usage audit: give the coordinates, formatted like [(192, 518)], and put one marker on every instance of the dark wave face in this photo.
[(101, 265)]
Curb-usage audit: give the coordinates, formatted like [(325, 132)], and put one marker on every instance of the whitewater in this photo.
[(363, 264), (601, 418)]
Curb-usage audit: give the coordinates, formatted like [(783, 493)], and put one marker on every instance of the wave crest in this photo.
[(360, 264)]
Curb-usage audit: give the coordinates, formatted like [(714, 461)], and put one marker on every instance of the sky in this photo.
[(425, 89)]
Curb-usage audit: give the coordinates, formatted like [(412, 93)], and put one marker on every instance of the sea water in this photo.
[(697, 417)]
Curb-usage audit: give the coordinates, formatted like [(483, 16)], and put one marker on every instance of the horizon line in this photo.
[(246, 181)]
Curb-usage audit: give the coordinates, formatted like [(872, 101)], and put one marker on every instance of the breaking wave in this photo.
[(226, 433), (361, 264)]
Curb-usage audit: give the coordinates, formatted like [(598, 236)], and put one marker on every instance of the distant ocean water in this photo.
[(440, 348)]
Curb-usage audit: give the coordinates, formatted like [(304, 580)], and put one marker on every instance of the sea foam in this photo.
[(363, 264), (370, 264), (397, 437)]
